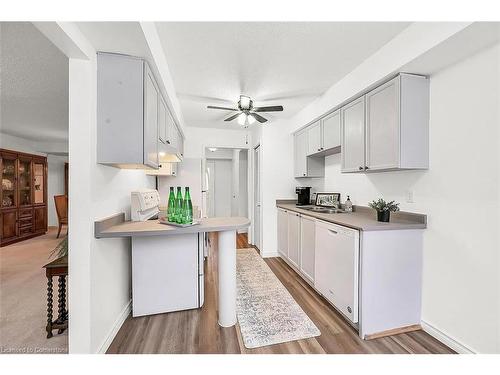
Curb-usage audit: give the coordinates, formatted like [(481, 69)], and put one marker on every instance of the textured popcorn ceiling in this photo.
[(34, 84)]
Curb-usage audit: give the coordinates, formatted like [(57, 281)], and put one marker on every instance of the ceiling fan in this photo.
[(247, 113)]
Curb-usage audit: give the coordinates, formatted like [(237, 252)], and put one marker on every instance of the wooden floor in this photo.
[(197, 331)]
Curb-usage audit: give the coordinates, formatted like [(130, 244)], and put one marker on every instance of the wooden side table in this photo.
[(58, 267)]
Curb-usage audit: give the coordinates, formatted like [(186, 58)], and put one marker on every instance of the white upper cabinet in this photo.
[(395, 131), (127, 112), (300, 154), (304, 165), (151, 99), (330, 126), (382, 126), (314, 141), (162, 121), (353, 136)]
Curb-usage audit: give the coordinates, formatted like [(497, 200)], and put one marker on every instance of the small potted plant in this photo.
[(384, 209)]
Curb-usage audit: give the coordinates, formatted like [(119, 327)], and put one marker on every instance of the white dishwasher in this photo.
[(337, 266)]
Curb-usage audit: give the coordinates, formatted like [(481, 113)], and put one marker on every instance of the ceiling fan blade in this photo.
[(225, 108), (271, 108), (231, 118), (258, 117)]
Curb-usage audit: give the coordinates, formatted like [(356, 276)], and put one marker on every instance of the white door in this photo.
[(300, 154), (294, 238), (222, 187), (256, 191), (314, 144), (283, 232), (151, 121), (336, 267), (353, 136), (307, 245), (162, 120), (382, 126), (331, 130)]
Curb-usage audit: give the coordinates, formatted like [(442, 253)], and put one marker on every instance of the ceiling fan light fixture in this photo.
[(242, 118), (245, 102), (250, 119)]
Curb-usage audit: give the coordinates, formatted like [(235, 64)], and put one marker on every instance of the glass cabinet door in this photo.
[(8, 182), (24, 178), (39, 182)]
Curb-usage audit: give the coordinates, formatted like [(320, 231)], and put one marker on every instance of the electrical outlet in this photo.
[(409, 196)]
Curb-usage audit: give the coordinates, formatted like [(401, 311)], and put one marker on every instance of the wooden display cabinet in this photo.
[(23, 194)]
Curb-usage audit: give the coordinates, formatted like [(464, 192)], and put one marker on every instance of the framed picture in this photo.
[(328, 199)]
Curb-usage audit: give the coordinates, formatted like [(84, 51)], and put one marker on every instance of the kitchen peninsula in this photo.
[(167, 263)]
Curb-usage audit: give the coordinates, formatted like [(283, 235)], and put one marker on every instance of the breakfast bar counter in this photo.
[(167, 263)]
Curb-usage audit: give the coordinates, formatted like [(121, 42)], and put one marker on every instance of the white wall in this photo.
[(55, 166), (243, 184)]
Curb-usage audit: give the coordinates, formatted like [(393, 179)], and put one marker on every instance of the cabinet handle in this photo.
[(361, 168), (333, 231), (303, 174), (319, 149), (168, 141), (366, 167)]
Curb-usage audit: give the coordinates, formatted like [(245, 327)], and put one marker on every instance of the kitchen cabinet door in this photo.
[(9, 225), (150, 120), (337, 267), (162, 120), (331, 130), (300, 156), (314, 144), (294, 238), (382, 126), (307, 246), (353, 136), (283, 233)]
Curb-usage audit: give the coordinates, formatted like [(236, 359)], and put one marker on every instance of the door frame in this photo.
[(256, 167)]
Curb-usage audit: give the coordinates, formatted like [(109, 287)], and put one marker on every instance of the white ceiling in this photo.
[(34, 84), (291, 63)]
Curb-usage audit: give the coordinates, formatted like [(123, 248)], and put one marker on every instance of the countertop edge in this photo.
[(377, 226), (102, 228)]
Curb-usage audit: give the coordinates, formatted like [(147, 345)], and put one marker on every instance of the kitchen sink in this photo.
[(323, 210)]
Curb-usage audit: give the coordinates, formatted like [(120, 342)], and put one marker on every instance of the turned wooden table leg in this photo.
[(62, 302), (49, 308)]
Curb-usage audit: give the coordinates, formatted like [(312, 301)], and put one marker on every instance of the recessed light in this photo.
[(212, 149)]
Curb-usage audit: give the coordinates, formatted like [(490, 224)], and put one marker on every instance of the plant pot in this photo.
[(383, 216)]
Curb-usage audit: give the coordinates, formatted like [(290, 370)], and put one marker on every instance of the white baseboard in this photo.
[(446, 339), (116, 327)]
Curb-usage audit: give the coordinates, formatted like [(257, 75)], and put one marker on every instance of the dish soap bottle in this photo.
[(171, 205), (348, 205)]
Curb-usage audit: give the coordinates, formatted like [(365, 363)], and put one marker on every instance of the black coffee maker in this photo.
[(303, 195)]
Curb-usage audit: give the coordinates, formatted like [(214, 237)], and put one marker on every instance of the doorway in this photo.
[(257, 236), (226, 187)]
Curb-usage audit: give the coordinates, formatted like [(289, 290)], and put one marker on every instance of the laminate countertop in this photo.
[(362, 218), (116, 226)]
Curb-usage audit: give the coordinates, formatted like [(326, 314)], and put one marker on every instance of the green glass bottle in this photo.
[(178, 206), (188, 208), (171, 205)]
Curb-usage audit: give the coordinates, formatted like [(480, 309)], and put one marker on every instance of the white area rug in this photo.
[(267, 313)]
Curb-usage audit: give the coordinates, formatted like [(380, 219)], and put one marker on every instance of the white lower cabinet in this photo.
[(283, 232), (294, 238), (307, 246), (337, 267)]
